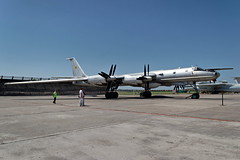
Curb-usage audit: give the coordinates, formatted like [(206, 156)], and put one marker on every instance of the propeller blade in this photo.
[(104, 75), (148, 70), (111, 69), (101, 74), (182, 87), (114, 69), (145, 70)]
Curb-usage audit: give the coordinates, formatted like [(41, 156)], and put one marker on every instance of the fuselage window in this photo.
[(161, 74), (174, 72)]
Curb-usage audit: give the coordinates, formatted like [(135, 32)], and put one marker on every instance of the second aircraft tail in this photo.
[(76, 68), (237, 79)]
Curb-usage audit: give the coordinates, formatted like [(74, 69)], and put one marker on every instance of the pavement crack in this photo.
[(56, 134)]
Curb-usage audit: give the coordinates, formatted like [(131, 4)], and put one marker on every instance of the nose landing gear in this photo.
[(195, 96)]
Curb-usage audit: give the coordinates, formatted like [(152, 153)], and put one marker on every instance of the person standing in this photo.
[(81, 97), (55, 96)]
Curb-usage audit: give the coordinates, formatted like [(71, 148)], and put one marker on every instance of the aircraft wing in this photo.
[(49, 81), (213, 84)]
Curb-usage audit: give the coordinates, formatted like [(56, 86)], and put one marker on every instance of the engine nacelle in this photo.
[(96, 80), (147, 78), (154, 85), (132, 80)]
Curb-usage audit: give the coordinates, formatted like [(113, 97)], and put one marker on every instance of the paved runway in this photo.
[(167, 127)]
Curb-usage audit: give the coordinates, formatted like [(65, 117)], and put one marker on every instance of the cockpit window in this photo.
[(198, 69)]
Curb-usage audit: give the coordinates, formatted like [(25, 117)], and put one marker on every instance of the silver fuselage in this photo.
[(181, 76)]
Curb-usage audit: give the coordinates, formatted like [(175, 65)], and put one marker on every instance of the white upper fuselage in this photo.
[(180, 76)]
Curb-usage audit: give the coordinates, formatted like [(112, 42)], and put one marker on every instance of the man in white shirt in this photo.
[(81, 97)]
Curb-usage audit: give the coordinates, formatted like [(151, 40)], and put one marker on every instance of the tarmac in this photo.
[(166, 127)]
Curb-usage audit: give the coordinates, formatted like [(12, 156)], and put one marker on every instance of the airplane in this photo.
[(237, 79), (147, 79), (222, 86)]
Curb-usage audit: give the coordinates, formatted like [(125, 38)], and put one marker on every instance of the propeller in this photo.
[(110, 83), (112, 70), (178, 87), (145, 78), (147, 84)]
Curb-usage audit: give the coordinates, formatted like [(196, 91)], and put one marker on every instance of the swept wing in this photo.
[(49, 81)]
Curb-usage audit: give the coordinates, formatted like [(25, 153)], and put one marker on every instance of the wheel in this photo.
[(111, 95), (195, 96), (107, 95), (115, 94), (146, 94)]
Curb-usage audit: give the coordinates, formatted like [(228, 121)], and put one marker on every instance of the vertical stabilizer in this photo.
[(237, 79), (76, 68)]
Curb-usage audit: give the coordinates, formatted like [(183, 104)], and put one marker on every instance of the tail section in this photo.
[(76, 68), (237, 79)]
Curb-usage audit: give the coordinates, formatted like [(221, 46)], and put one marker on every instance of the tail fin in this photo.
[(237, 79), (76, 68)]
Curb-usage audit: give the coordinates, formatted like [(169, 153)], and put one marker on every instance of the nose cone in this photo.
[(217, 74)]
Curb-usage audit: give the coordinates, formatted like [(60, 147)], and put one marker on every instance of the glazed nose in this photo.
[(217, 74)]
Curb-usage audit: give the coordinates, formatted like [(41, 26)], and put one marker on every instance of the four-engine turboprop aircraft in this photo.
[(147, 79)]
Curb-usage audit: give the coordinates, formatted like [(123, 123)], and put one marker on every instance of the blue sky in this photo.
[(36, 36)]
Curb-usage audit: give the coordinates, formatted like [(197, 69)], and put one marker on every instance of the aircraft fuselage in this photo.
[(181, 76)]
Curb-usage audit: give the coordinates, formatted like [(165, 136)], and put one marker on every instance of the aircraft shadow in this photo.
[(102, 98), (40, 99), (137, 97)]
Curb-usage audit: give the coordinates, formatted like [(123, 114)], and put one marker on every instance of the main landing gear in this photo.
[(146, 94), (111, 95), (146, 78), (112, 85)]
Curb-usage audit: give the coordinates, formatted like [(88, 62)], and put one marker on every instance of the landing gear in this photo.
[(111, 95), (146, 94), (195, 96), (146, 79), (112, 83)]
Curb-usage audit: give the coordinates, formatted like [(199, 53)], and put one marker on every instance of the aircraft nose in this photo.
[(217, 74)]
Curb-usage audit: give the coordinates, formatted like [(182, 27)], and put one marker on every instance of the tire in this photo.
[(146, 94), (111, 95), (195, 96)]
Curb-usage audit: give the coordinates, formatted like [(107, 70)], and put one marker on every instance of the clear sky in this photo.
[(36, 36)]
